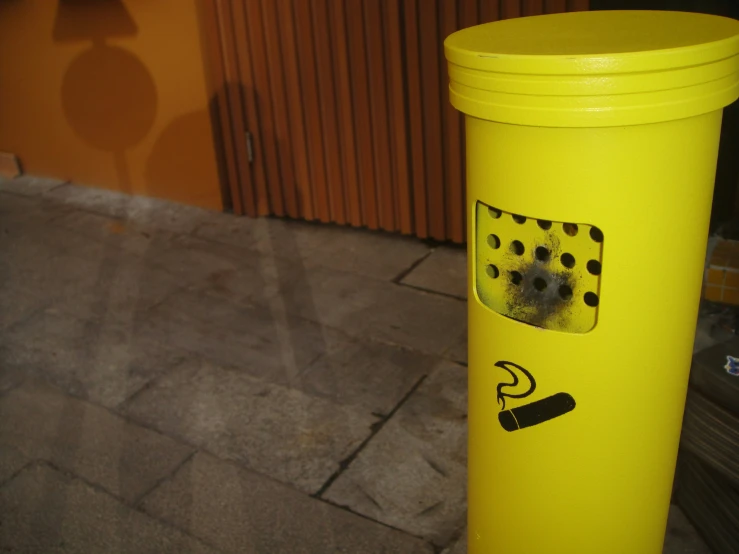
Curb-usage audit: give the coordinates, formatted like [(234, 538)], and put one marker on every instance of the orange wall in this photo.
[(109, 93)]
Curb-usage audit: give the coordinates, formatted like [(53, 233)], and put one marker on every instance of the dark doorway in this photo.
[(725, 198)]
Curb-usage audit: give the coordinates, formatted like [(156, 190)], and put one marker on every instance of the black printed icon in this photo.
[(535, 412)]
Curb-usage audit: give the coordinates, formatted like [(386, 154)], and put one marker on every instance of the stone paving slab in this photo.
[(681, 537), (139, 211), (375, 254), (241, 277), (239, 511), (31, 237), (12, 461), (29, 212), (236, 274), (459, 547), (28, 185), (365, 307), (18, 304), (269, 236), (370, 375), (15, 206), (102, 230), (103, 362), (380, 255), (125, 459), (457, 352), (255, 339), (104, 283), (274, 430), (412, 475), (44, 510), (10, 375), (444, 271)]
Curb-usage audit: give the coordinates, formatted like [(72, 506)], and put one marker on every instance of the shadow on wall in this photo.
[(93, 20), (108, 95), (109, 98), (167, 172), (111, 101)]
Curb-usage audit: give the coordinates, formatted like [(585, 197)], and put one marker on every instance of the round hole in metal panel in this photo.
[(591, 299), (542, 253), (540, 284), (492, 271), (568, 260), (495, 213), (596, 234), (519, 219), (544, 224), (565, 292), (570, 229), (516, 277), (518, 248), (594, 267), (493, 242)]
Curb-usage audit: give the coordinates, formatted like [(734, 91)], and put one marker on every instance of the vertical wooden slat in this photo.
[(453, 181), (398, 133), (222, 118), (379, 110), (362, 106), (415, 118), (489, 10), (249, 28), (327, 101), (337, 26), (273, 51), (510, 8), (533, 7), (578, 5), (429, 34), (309, 92), (344, 101), (555, 6), (295, 109), (234, 97)]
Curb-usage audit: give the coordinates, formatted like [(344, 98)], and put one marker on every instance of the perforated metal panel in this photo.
[(544, 273)]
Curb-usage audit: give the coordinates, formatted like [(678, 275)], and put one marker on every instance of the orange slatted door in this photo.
[(338, 110)]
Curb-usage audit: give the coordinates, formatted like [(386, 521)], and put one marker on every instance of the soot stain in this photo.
[(526, 301)]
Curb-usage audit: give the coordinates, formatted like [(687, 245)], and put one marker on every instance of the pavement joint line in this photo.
[(436, 548), (168, 477), (456, 537), (432, 291), (134, 507), (69, 473), (179, 360), (407, 271), (375, 428), (15, 474), (40, 195), (101, 490), (63, 184)]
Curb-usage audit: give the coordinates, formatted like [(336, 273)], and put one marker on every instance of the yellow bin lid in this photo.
[(595, 69)]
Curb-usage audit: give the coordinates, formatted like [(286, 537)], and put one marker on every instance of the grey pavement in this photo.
[(178, 380)]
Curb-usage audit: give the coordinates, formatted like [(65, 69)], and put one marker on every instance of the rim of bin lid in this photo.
[(598, 68), (597, 42)]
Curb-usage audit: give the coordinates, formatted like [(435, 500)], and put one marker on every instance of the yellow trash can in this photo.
[(592, 141)]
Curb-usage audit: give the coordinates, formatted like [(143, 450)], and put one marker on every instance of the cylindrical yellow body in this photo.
[(576, 404)]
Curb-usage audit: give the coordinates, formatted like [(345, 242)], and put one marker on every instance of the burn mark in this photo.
[(545, 292)]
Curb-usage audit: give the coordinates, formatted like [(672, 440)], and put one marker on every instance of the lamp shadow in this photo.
[(94, 20)]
